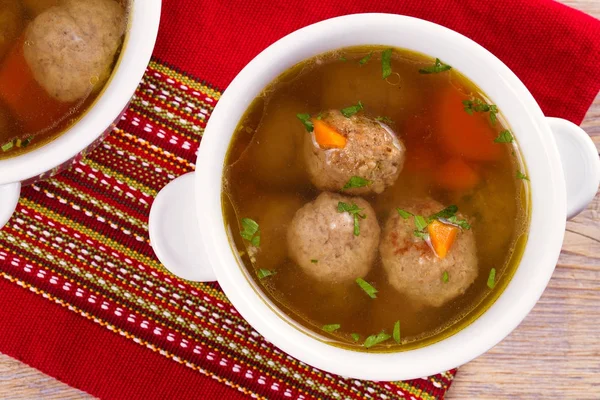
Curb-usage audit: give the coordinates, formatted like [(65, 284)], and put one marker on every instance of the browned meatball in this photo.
[(322, 240), (372, 152), (70, 48), (11, 23), (412, 266)]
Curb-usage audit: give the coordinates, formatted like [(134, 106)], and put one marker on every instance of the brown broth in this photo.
[(265, 180), (11, 129)]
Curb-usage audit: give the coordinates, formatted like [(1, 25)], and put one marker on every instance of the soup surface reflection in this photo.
[(377, 197)]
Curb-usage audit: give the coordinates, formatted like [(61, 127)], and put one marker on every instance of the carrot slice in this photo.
[(456, 174), (442, 237), (30, 104), (326, 136), (464, 135)]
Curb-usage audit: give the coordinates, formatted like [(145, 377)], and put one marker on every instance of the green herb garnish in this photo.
[(454, 220), (350, 111), (396, 332), (421, 234), (7, 146), (521, 175), (376, 339), (367, 287), (355, 337), (356, 182), (263, 273), (435, 68), (445, 277), (420, 222), (404, 214), (342, 58), (25, 142), (504, 137), (305, 118), (331, 327), (385, 120), (365, 59), (445, 213), (314, 261), (250, 231), (477, 105), (491, 282), (353, 210), (386, 63)]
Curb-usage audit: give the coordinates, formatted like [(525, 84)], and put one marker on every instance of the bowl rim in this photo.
[(548, 197), (137, 50)]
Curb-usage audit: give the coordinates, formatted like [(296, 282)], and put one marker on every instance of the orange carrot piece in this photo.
[(442, 237), (30, 104), (326, 136), (464, 135), (456, 174)]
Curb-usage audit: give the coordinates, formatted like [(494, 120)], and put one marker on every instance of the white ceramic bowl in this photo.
[(206, 254), (82, 137)]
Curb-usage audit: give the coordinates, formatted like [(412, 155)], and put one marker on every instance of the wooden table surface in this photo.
[(554, 353)]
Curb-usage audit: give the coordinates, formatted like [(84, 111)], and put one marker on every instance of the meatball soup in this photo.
[(379, 196)]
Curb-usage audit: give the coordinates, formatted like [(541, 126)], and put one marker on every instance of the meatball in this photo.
[(11, 22), (372, 152), (70, 48), (323, 241), (413, 268)]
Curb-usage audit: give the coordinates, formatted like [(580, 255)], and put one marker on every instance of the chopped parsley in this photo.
[(404, 214), (521, 175), (365, 59), (385, 120), (7, 146), (356, 182), (331, 327), (445, 277), (386, 63), (355, 337), (314, 261), (420, 222), (437, 67), (491, 282), (305, 118), (342, 58), (445, 213), (353, 210), (462, 223), (476, 105), (250, 231), (376, 339), (350, 111), (263, 273), (504, 137), (447, 216), (396, 332), (367, 287)]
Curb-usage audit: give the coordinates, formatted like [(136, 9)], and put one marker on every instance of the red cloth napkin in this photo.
[(552, 48), (83, 298)]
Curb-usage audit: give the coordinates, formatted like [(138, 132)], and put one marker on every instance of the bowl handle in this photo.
[(175, 233), (580, 162), (9, 197)]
